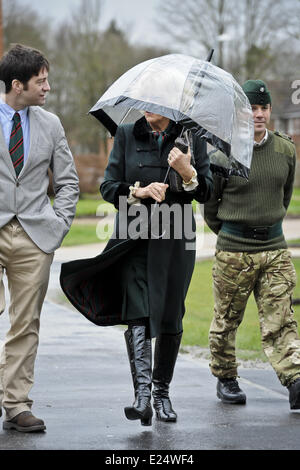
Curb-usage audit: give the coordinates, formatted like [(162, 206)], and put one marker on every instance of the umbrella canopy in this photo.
[(197, 94)]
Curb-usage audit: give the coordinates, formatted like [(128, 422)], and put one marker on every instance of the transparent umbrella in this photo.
[(199, 95)]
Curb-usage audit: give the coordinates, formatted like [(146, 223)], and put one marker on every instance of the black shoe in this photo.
[(228, 391), (166, 351), (294, 397), (140, 359)]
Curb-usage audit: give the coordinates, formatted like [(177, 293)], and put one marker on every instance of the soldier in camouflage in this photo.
[(252, 256)]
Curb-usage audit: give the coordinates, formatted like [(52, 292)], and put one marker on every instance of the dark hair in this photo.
[(21, 63)]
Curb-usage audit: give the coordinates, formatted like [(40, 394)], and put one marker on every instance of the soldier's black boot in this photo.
[(165, 355), (294, 395), (140, 359), (228, 391)]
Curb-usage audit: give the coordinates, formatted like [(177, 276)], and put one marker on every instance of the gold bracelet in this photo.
[(191, 180)]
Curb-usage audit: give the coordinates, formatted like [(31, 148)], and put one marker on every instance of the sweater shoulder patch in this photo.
[(283, 143), (217, 157)]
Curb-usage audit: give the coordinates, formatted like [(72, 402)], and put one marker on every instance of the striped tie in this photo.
[(16, 148)]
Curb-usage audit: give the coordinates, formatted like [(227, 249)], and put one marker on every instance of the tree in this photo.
[(76, 70), (84, 62), (21, 24), (246, 35), (195, 25)]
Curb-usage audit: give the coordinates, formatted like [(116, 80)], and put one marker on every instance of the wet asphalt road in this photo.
[(82, 384)]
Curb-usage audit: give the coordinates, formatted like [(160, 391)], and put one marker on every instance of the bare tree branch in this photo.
[(241, 32)]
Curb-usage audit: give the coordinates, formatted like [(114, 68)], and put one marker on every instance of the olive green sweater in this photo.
[(260, 201)]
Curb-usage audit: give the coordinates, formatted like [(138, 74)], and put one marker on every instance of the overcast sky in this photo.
[(135, 16)]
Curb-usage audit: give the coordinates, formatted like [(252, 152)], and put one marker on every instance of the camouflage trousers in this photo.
[(271, 276)]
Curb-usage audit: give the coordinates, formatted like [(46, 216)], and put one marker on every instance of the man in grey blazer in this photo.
[(32, 140)]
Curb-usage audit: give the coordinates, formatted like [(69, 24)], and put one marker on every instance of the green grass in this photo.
[(93, 207), (80, 235), (199, 311), (84, 234), (87, 207), (294, 207)]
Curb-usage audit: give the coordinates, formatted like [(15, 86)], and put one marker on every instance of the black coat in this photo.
[(93, 285)]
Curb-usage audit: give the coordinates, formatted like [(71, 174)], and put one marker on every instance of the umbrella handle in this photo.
[(209, 57), (155, 206)]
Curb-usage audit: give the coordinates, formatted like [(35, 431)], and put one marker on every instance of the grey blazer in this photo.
[(26, 197)]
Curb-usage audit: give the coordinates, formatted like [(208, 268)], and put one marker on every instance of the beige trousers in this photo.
[(27, 269)]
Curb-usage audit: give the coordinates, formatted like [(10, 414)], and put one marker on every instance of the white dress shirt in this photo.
[(258, 144)]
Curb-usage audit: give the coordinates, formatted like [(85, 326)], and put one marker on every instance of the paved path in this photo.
[(82, 384)]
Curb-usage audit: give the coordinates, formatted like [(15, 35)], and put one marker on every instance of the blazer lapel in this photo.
[(5, 153), (33, 132)]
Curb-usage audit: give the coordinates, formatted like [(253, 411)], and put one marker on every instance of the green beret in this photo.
[(257, 92)]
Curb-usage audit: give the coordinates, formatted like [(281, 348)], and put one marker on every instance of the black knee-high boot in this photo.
[(165, 355), (140, 358)]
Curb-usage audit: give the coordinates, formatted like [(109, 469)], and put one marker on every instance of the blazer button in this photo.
[(17, 184)]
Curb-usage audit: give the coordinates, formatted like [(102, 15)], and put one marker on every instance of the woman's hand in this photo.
[(181, 162), (155, 190)]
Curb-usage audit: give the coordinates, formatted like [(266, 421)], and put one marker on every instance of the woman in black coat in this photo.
[(142, 277)]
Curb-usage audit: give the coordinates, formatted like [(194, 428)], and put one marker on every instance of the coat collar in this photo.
[(141, 129)]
